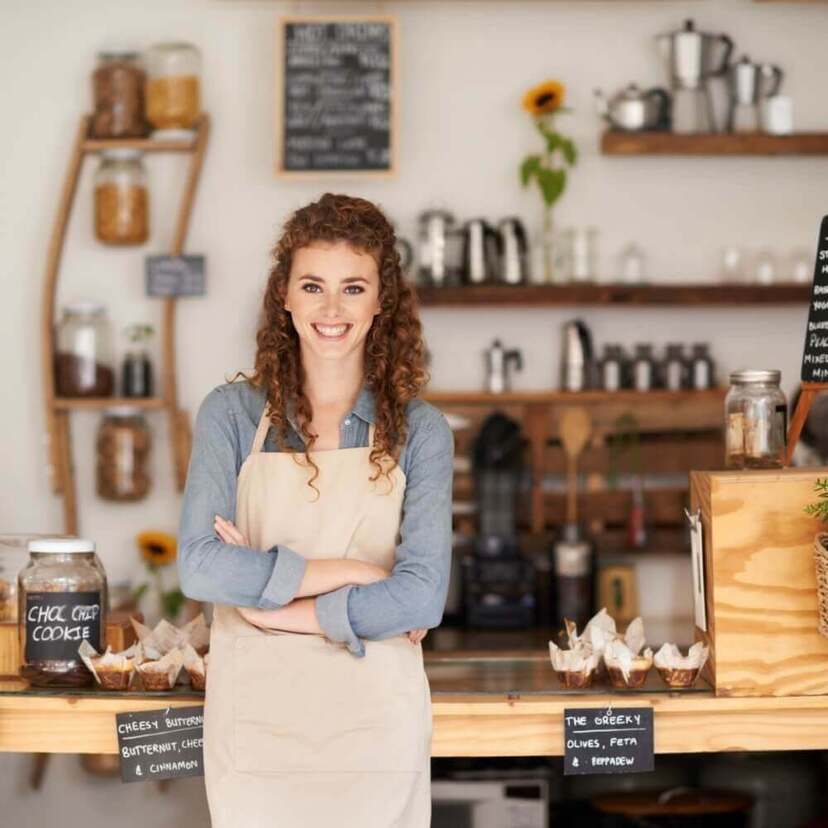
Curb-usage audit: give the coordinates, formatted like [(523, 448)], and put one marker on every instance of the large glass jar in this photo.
[(755, 420), (173, 85), (118, 93), (121, 198), (62, 601), (123, 448), (83, 362)]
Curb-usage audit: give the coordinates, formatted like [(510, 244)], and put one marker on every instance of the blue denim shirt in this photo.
[(412, 597)]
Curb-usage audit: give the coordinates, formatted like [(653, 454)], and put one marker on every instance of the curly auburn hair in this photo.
[(394, 361)]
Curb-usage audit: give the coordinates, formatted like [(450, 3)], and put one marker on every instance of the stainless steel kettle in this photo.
[(481, 247), (747, 84), (577, 359), (692, 56), (513, 250), (634, 110), (498, 361)]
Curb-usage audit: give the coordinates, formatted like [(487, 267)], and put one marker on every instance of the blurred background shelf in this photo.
[(715, 143), (615, 294)]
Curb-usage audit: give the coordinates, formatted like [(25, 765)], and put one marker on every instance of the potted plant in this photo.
[(819, 509)]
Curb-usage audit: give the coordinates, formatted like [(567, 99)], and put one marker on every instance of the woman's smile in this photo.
[(332, 333)]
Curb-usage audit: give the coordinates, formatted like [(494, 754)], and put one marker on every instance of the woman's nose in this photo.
[(331, 304)]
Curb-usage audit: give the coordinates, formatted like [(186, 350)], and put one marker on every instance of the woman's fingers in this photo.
[(228, 532), (416, 636)]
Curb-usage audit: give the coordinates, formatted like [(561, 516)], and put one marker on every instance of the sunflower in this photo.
[(157, 548), (544, 98)]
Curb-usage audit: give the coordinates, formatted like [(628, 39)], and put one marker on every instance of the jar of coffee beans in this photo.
[(63, 601), (83, 362), (123, 449), (118, 92), (121, 198)]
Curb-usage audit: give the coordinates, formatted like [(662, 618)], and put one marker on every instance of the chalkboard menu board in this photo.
[(614, 740), (161, 744), (815, 356), (337, 100), (174, 275)]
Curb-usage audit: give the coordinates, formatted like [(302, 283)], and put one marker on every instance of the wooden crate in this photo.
[(760, 582), (119, 636)]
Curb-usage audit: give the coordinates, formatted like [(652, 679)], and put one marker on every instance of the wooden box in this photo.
[(760, 582), (119, 636)]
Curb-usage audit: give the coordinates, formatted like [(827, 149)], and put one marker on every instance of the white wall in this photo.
[(464, 67)]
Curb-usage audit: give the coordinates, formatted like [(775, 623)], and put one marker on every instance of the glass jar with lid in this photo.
[(62, 601), (83, 361), (123, 448), (173, 86), (118, 94), (755, 420), (121, 198)]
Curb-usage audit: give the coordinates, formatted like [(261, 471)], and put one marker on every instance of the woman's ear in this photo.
[(283, 294)]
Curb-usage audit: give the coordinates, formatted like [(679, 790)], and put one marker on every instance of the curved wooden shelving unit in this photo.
[(615, 294), (58, 409)]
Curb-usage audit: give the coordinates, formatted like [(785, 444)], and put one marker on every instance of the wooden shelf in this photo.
[(543, 397), (615, 294), (481, 707), (144, 144), (715, 143), (94, 403)]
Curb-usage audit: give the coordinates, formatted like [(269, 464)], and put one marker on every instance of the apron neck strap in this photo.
[(261, 431), (264, 427)]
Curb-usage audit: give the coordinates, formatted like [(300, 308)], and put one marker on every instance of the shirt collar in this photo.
[(364, 408)]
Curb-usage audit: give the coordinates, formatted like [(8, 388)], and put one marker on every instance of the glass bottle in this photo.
[(136, 369), (118, 96), (62, 601), (755, 420), (121, 198), (702, 369), (674, 370), (173, 86), (83, 362), (611, 368), (643, 368), (123, 448)]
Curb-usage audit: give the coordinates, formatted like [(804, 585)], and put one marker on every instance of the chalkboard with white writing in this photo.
[(614, 740), (815, 356), (57, 623), (336, 95), (174, 275), (161, 744)]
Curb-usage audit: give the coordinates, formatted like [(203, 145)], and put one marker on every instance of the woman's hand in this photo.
[(416, 636), (228, 532)]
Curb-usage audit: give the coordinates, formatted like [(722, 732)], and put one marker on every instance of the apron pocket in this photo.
[(303, 704)]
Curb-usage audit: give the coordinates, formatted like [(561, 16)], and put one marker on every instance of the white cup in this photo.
[(777, 115)]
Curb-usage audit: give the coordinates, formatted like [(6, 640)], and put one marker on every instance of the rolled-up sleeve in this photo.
[(209, 569), (414, 595)]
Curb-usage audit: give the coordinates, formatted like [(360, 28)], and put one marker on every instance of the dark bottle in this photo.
[(643, 369), (136, 375), (674, 373), (702, 369), (574, 568), (611, 368)]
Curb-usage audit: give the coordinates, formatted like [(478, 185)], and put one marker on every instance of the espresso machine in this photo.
[(499, 583)]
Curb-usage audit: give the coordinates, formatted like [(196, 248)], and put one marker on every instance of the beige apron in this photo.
[(298, 732)]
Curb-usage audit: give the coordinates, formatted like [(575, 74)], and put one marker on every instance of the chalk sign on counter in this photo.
[(161, 744), (337, 104), (57, 623), (815, 355), (613, 740)]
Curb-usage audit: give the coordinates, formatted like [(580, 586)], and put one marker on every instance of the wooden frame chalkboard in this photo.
[(337, 102)]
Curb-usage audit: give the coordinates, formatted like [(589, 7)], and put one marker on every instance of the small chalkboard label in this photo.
[(161, 744), (815, 356), (614, 740), (335, 111), (57, 623), (175, 275)]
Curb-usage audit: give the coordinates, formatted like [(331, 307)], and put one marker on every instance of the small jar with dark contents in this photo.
[(63, 602)]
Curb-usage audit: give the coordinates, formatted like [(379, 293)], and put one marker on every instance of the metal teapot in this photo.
[(634, 110)]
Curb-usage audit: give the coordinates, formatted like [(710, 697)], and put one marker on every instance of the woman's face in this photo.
[(332, 296)]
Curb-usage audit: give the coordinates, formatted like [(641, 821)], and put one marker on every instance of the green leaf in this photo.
[(172, 602), (139, 592), (570, 153), (529, 167), (553, 141), (552, 183)]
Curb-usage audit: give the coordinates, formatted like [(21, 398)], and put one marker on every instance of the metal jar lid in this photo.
[(62, 546), (748, 376)]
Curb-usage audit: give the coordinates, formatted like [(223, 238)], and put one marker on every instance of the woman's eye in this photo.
[(310, 287), (354, 289)]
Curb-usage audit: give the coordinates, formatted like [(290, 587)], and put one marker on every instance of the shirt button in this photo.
[(348, 421)]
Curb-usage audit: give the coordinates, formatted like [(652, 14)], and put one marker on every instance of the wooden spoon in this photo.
[(574, 427)]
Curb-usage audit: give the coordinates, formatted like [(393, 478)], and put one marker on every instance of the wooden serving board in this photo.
[(760, 582)]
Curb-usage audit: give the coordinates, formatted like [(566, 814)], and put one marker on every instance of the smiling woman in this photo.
[(317, 516)]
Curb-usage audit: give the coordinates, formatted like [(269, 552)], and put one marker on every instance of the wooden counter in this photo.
[(486, 706)]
